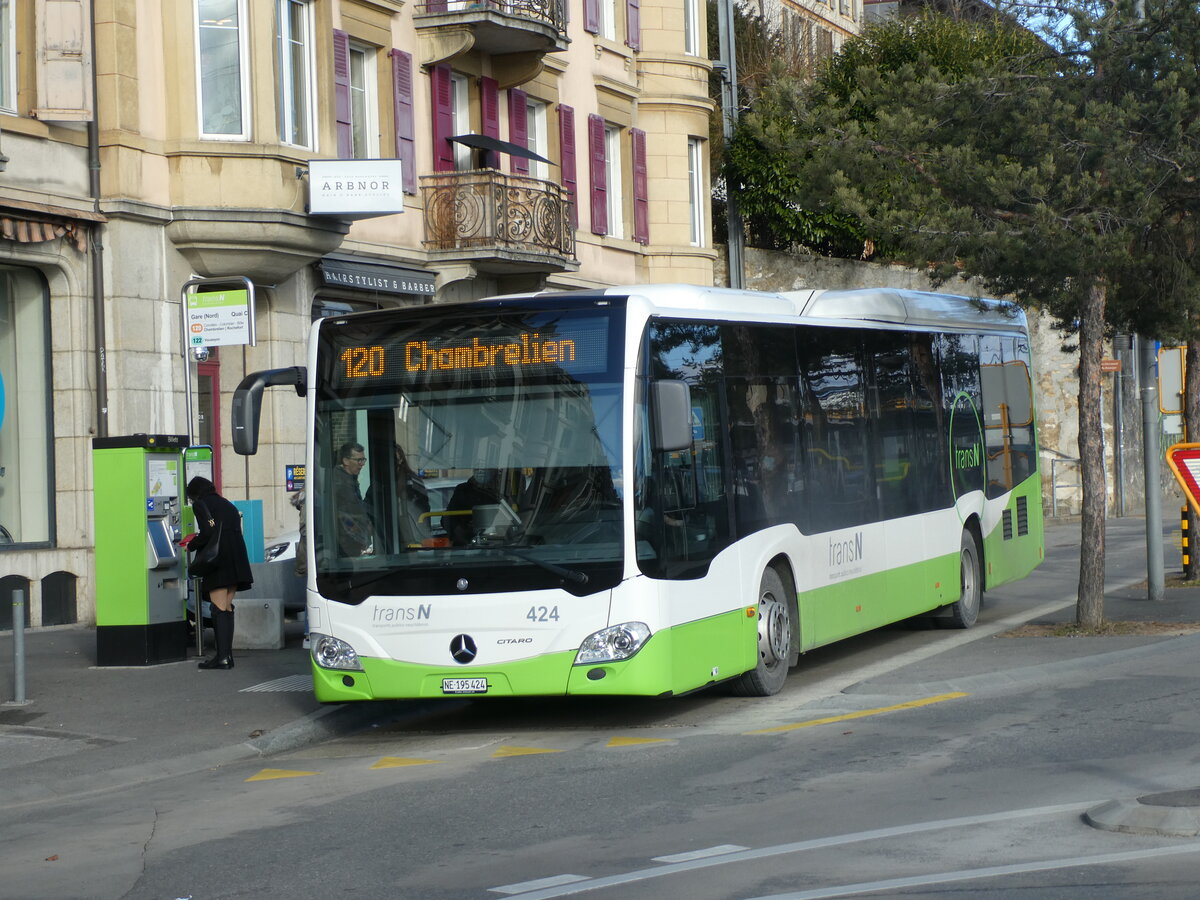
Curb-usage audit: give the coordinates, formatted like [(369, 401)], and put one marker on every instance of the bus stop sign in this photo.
[(1184, 460)]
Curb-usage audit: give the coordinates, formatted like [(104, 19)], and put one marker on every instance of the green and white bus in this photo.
[(650, 490)]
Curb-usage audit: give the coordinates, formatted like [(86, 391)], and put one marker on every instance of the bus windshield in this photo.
[(468, 450)]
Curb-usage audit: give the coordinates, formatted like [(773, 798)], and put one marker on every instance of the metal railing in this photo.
[(486, 208), (1055, 484)]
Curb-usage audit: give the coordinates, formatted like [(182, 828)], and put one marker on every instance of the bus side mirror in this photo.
[(246, 409), (671, 405)]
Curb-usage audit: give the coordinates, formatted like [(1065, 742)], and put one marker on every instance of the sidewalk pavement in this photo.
[(87, 729)]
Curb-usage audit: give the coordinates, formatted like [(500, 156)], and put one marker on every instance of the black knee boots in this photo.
[(222, 623)]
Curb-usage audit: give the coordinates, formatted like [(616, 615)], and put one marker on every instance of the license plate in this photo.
[(464, 685)]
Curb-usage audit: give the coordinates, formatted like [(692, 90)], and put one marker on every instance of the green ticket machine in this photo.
[(141, 583)]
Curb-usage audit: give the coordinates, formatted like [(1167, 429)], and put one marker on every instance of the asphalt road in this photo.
[(909, 762)]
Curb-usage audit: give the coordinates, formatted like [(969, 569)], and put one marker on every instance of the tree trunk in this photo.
[(1191, 413), (1089, 611)]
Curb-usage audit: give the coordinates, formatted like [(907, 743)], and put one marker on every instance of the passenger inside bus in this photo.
[(355, 531)]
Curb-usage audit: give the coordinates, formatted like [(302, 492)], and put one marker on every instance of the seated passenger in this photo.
[(481, 489)]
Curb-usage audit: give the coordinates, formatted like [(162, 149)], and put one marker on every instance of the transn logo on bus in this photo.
[(848, 551), (967, 458), (402, 613)]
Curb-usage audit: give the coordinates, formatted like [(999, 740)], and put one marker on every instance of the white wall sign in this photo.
[(355, 187)]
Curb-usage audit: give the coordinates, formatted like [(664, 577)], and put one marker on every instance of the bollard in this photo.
[(1184, 529), (19, 647)]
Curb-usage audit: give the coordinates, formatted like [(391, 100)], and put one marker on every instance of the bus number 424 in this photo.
[(542, 614)]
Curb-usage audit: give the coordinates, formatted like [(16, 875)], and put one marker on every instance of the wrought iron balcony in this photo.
[(499, 26), (498, 221)]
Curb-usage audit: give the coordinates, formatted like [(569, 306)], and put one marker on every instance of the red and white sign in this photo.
[(1184, 460)]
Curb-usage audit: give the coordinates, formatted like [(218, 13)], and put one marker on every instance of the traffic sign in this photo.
[(1184, 460), (1171, 372)]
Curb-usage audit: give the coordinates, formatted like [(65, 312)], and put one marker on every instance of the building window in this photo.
[(460, 119), (691, 27), (8, 58), (221, 77), (26, 448), (612, 176), (608, 19), (696, 198), (294, 20), (536, 137), (364, 125)]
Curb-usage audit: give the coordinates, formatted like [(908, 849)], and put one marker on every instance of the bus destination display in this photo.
[(575, 346)]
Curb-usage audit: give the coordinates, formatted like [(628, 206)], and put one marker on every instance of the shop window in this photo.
[(26, 448)]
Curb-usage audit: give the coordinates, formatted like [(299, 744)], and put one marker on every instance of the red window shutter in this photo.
[(443, 120), (518, 128), (489, 97), (633, 24), (402, 107), (341, 94), (641, 188), (566, 156), (599, 174), (591, 16)]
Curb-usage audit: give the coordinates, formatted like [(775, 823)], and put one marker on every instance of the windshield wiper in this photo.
[(572, 575)]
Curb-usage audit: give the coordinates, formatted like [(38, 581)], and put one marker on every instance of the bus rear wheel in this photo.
[(775, 627), (965, 610)]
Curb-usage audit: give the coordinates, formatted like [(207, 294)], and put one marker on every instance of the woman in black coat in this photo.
[(232, 572)]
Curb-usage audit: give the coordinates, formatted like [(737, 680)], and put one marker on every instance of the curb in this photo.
[(1145, 816)]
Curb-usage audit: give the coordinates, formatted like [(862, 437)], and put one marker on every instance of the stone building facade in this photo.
[(542, 143)]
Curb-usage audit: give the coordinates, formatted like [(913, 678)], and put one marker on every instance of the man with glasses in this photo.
[(355, 534)]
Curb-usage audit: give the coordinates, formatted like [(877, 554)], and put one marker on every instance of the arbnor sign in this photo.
[(370, 187)]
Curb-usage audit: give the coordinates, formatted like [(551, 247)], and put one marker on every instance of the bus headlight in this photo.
[(330, 653), (612, 644)]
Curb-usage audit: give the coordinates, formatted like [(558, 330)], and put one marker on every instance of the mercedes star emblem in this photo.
[(463, 649)]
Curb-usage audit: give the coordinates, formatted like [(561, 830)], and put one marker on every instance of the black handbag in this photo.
[(204, 562)]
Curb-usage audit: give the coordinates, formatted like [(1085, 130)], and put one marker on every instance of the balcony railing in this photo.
[(548, 12), (488, 210), (500, 26)]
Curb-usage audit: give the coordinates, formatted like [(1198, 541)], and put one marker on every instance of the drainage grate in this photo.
[(280, 685)]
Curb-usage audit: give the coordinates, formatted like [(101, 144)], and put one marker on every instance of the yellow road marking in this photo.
[(861, 714), (392, 762), (521, 751), (632, 741), (272, 774)]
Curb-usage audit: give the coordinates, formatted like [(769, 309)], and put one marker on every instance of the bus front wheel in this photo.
[(965, 610), (775, 626)]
